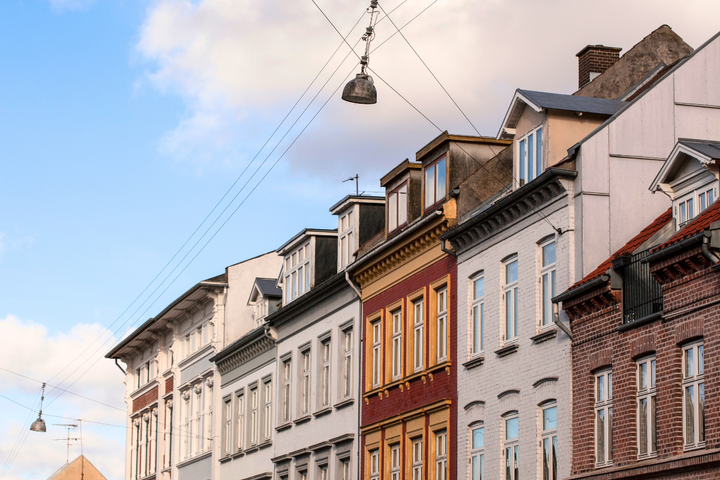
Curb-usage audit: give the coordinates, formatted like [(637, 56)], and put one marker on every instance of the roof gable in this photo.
[(686, 158)]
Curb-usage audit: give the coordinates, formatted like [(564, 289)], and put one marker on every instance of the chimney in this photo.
[(594, 60)]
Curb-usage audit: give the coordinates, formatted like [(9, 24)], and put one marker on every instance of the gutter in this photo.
[(445, 249), (121, 368), (660, 254), (706, 248), (568, 294), (352, 284)]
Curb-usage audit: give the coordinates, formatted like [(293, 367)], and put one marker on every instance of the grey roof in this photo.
[(268, 287), (574, 103), (709, 149)]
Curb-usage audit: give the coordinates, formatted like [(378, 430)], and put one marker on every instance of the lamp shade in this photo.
[(38, 426), (360, 90)]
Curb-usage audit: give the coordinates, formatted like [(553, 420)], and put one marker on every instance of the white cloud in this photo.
[(28, 348)]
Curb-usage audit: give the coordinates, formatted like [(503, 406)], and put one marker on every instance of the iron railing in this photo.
[(641, 294)]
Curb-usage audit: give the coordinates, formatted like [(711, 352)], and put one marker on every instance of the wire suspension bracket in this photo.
[(361, 89)]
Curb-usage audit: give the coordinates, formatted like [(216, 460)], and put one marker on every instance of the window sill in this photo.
[(444, 365), (507, 350), (225, 459), (238, 454), (344, 403), (322, 412), (252, 449), (304, 419), (474, 362), (282, 427), (691, 448), (647, 456), (265, 444), (544, 336)]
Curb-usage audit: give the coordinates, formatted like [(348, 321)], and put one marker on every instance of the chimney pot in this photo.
[(594, 60)]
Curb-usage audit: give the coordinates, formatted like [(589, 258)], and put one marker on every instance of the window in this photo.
[(227, 426), (477, 454), (549, 443), (442, 324), (511, 448), (693, 203), (240, 421), (287, 379), (346, 235), (325, 375), (186, 425), (254, 416), (418, 334), (397, 207), (169, 431), (374, 464), (435, 182), (376, 353), (396, 344), (347, 363), (511, 300), (530, 160), (305, 380), (646, 436), (345, 469), (267, 414), (478, 316), (323, 472), (441, 455), (547, 280), (603, 418), (297, 273), (694, 395), (417, 459), (395, 462)]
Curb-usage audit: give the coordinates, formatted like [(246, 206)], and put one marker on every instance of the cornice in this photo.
[(413, 247), (252, 350)]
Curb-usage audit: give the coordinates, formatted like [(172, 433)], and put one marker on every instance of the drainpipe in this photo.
[(121, 368), (706, 248), (445, 249), (556, 321), (352, 284)]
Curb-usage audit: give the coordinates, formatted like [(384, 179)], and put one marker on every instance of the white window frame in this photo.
[(694, 199), (441, 459), (548, 441), (646, 410), (227, 426), (510, 300), (240, 420), (375, 464), (267, 414), (344, 468), (305, 393), (397, 351), (254, 415), (323, 472), (434, 194), (525, 173), (287, 391), (693, 377), (511, 448), (325, 382), (441, 323), (347, 358), (395, 464), (547, 283), (346, 238), (418, 334), (376, 329), (603, 409), (397, 211), (297, 273), (477, 315), (417, 458), (477, 453)]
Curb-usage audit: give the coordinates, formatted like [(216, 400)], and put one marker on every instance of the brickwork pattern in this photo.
[(169, 384), (145, 399), (595, 60)]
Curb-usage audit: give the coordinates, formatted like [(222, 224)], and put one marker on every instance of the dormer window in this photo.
[(346, 232), (435, 182), (530, 162), (297, 273), (397, 207), (692, 204)]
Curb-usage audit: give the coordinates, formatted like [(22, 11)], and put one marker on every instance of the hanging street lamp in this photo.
[(39, 424), (361, 89)]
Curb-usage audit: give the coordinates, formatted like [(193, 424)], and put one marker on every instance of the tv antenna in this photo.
[(70, 427), (356, 177)]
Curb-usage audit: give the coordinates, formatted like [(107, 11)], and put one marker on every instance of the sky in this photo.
[(124, 122)]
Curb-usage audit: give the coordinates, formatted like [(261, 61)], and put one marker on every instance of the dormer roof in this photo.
[(540, 101), (303, 235), (353, 199), (706, 152), (266, 287)]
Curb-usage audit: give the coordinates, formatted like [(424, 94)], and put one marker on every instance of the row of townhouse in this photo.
[(473, 322)]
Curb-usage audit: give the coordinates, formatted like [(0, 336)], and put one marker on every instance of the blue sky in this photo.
[(123, 122)]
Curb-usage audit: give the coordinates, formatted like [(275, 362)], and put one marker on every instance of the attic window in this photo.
[(693, 203), (397, 207), (530, 161), (435, 182)]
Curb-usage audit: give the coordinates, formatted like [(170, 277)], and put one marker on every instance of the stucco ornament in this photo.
[(197, 388), (186, 395), (169, 403), (209, 382)]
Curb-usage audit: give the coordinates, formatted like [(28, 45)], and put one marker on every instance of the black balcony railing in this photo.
[(641, 294)]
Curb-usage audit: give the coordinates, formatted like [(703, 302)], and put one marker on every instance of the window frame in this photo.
[(442, 321), (680, 211), (510, 307), (267, 410), (395, 461), (511, 446), (305, 393), (548, 442), (227, 426), (254, 427), (396, 343), (441, 454), (647, 393), (374, 464), (296, 272), (346, 384), (477, 453), (286, 401), (477, 304), (397, 204), (696, 381), (417, 305), (239, 420), (325, 380), (435, 197), (416, 463), (524, 154), (376, 352), (548, 271), (602, 381)]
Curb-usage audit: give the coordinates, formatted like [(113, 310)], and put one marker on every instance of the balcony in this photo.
[(641, 294)]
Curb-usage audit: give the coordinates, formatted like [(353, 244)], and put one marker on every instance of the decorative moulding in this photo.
[(475, 362), (545, 335), (507, 350)]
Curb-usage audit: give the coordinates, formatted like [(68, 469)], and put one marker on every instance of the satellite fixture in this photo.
[(39, 424), (361, 89)]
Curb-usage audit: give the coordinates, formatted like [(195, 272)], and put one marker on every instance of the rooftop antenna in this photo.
[(361, 89), (39, 424), (69, 439), (357, 191)]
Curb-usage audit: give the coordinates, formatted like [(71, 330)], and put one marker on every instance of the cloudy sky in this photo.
[(123, 123)]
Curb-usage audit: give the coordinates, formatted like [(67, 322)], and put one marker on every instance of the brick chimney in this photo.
[(594, 60)]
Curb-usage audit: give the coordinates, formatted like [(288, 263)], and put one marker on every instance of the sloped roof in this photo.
[(268, 287), (574, 103), (628, 248), (709, 149), (695, 226)]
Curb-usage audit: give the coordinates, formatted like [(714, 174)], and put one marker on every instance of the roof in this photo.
[(352, 199), (695, 226), (320, 232), (709, 149), (91, 471), (446, 137), (628, 248), (555, 101), (268, 287), (704, 151), (404, 166)]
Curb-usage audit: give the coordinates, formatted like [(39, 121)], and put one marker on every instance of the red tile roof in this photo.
[(697, 225), (629, 247)]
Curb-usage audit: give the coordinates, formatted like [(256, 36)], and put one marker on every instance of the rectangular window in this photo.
[(395, 462), (376, 352), (396, 344), (287, 380), (254, 416), (530, 161), (346, 235), (240, 421), (477, 454), (325, 374), (511, 301), (323, 472), (418, 334), (435, 182), (397, 207), (442, 324), (347, 363), (305, 380), (603, 418), (375, 464), (267, 431), (549, 443), (345, 469), (441, 455), (547, 280), (478, 316), (693, 384), (227, 426), (511, 449), (417, 459), (646, 436), (296, 280)]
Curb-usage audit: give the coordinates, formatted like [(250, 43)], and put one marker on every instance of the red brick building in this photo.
[(646, 329)]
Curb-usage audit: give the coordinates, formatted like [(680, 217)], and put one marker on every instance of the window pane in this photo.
[(441, 180), (642, 376), (710, 194), (610, 433), (690, 209), (682, 212), (475, 468), (701, 199), (476, 329), (690, 415), (515, 313), (653, 430), (511, 272), (547, 304), (550, 418), (482, 326), (642, 427), (546, 459), (517, 461), (531, 157), (478, 438), (600, 436), (701, 360), (402, 205), (652, 373), (430, 186), (689, 363), (522, 161), (538, 152), (609, 385), (479, 288), (392, 212), (511, 428), (701, 412), (508, 315), (508, 460), (548, 254)]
